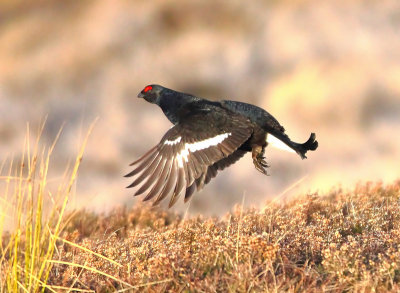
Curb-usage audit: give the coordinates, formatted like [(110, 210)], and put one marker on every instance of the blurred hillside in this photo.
[(330, 67)]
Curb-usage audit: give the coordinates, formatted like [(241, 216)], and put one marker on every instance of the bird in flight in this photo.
[(206, 137)]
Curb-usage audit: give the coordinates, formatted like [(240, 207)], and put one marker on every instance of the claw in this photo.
[(259, 167), (262, 162), (259, 160)]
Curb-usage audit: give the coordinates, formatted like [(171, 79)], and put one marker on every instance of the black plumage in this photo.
[(207, 137)]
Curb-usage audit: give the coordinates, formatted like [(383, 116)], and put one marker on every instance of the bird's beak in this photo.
[(140, 95)]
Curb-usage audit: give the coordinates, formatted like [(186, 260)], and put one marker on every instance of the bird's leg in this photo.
[(258, 159)]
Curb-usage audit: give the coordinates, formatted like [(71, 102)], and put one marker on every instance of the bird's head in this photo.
[(151, 93)]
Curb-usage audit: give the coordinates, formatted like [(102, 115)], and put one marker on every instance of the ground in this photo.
[(341, 241)]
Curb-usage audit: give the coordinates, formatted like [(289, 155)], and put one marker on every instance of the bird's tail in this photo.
[(310, 145), (282, 141)]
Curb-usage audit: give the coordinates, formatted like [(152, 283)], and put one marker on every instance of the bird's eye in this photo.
[(147, 89)]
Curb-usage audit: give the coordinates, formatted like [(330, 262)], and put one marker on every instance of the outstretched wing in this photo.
[(190, 153), (214, 168)]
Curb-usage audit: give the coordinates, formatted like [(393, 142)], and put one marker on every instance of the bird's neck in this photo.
[(172, 104)]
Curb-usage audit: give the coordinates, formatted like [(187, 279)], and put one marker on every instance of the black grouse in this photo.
[(207, 137)]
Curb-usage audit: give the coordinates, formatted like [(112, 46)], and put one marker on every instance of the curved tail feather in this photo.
[(282, 141), (310, 145)]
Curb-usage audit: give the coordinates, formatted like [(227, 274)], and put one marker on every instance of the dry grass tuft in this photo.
[(32, 217), (342, 241)]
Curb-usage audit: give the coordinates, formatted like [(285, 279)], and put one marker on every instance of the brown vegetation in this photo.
[(335, 242)]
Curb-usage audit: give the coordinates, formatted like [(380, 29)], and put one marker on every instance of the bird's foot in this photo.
[(259, 160), (261, 165)]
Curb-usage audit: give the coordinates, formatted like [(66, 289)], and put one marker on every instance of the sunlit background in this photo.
[(329, 67)]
